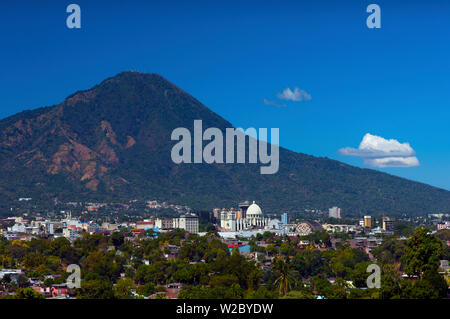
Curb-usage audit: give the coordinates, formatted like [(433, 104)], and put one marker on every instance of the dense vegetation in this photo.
[(113, 267)]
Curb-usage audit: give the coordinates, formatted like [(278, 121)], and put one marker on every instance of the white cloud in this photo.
[(379, 152), (297, 95), (273, 103), (392, 162)]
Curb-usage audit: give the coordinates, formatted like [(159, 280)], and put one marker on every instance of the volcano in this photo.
[(113, 143)]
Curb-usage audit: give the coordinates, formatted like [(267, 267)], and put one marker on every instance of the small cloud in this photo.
[(392, 162), (379, 152), (297, 95), (273, 103)]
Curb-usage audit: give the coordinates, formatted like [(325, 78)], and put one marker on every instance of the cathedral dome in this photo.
[(254, 211)]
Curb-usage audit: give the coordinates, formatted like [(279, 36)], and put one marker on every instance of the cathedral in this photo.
[(246, 218)]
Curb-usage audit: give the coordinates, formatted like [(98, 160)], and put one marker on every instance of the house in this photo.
[(14, 274), (18, 228), (170, 251), (59, 290), (137, 231), (53, 291), (172, 290), (145, 225)]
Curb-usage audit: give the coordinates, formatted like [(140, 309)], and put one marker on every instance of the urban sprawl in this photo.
[(158, 250)]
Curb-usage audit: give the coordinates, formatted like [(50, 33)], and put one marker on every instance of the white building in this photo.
[(334, 212), (443, 225), (18, 228), (164, 223), (235, 221), (188, 222), (69, 233), (49, 228), (339, 228), (73, 222)]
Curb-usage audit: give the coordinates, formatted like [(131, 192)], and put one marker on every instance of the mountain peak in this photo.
[(128, 79), (134, 75)]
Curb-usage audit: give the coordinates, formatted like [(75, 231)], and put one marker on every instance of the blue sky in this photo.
[(391, 82)]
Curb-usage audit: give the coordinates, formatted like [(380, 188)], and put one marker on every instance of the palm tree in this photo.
[(283, 282)]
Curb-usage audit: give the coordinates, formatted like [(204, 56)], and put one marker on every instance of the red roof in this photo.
[(233, 246)]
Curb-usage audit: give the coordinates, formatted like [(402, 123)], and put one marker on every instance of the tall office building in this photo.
[(188, 222), (243, 209), (284, 218), (216, 213), (368, 221), (334, 212), (388, 224)]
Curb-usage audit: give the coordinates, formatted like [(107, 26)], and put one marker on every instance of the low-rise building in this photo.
[(306, 228), (340, 228), (443, 225), (145, 225)]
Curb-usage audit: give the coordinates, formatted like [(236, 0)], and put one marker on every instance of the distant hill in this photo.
[(112, 143)]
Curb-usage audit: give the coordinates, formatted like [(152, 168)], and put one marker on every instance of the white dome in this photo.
[(254, 210)]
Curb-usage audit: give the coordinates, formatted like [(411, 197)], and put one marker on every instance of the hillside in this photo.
[(112, 143)]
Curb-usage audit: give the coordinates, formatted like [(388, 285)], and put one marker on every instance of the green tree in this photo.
[(423, 251), (391, 284), (96, 289), (118, 238), (22, 281), (262, 293), (431, 286), (122, 289), (359, 274), (310, 263), (284, 279), (328, 290), (299, 294), (146, 290), (28, 293), (390, 251), (364, 293), (223, 280), (271, 250)]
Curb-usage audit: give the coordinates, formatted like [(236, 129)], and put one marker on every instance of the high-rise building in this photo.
[(216, 213), (164, 223), (243, 208), (49, 228), (388, 224), (284, 218), (368, 221), (188, 222), (334, 212)]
